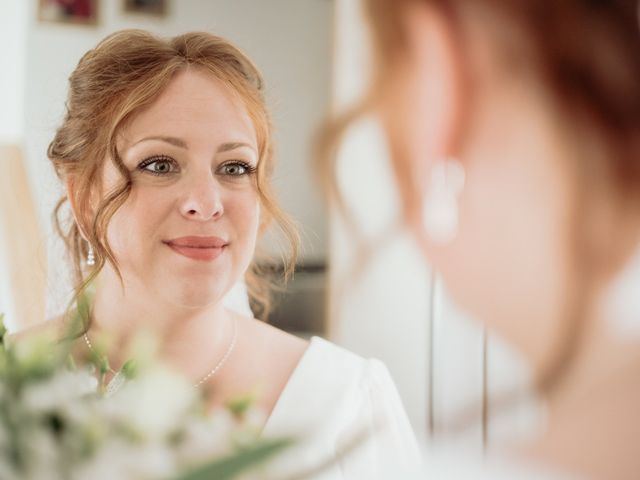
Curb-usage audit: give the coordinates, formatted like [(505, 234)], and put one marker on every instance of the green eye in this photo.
[(236, 169), (158, 165)]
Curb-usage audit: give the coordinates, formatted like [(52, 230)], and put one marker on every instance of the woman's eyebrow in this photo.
[(178, 142), (225, 147)]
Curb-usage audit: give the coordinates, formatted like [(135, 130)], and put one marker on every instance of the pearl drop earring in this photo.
[(91, 258), (440, 208)]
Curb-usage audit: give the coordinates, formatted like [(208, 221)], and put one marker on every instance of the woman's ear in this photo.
[(423, 105)]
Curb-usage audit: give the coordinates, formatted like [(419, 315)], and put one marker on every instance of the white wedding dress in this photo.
[(333, 400)]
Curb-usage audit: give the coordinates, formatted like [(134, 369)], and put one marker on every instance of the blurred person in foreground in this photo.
[(514, 134)]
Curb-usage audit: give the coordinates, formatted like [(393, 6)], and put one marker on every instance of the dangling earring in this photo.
[(440, 208), (91, 258)]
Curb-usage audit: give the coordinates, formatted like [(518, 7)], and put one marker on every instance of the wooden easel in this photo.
[(24, 258)]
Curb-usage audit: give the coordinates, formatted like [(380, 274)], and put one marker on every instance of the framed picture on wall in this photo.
[(150, 7), (79, 12)]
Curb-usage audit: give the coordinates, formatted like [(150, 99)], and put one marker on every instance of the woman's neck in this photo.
[(592, 420), (189, 338)]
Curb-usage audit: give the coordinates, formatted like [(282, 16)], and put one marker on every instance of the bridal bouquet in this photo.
[(56, 422)]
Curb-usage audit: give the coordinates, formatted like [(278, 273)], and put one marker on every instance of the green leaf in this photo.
[(3, 329), (241, 404), (104, 366), (129, 369), (247, 458)]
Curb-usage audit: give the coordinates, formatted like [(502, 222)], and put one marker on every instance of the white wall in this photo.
[(288, 39), (13, 34)]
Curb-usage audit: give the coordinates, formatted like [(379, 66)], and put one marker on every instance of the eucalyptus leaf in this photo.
[(247, 458), (3, 329)]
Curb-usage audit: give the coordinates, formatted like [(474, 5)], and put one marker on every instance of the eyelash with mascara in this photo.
[(156, 158), (249, 168)]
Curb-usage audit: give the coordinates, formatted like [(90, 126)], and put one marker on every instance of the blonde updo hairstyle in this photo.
[(125, 73)]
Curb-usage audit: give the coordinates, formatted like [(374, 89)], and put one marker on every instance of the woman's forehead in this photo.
[(194, 105)]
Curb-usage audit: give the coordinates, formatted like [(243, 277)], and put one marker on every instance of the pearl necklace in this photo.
[(118, 380)]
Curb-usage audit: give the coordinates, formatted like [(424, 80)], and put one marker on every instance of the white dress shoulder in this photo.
[(333, 399)]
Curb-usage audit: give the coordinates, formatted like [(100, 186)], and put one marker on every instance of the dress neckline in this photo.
[(298, 372)]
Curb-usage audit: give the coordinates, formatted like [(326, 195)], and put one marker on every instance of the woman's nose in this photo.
[(202, 199)]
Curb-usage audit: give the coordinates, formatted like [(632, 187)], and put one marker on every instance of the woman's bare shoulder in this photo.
[(269, 357), (272, 338)]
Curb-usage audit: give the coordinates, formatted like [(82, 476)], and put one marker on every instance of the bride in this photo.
[(166, 154)]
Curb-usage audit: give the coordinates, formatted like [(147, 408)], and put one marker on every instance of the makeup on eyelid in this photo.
[(247, 167)]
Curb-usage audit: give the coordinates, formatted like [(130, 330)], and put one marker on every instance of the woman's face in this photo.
[(187, 232)]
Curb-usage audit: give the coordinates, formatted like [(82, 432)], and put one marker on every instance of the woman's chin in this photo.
[(195, 298)]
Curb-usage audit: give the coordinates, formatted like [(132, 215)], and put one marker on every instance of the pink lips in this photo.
[(197, 248)]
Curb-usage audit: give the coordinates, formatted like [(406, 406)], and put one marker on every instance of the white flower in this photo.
[(118, 459), (6, 471), (149, 429), (56, 392), (44, 454), (207, 437), (78, 412), (154, 403)]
